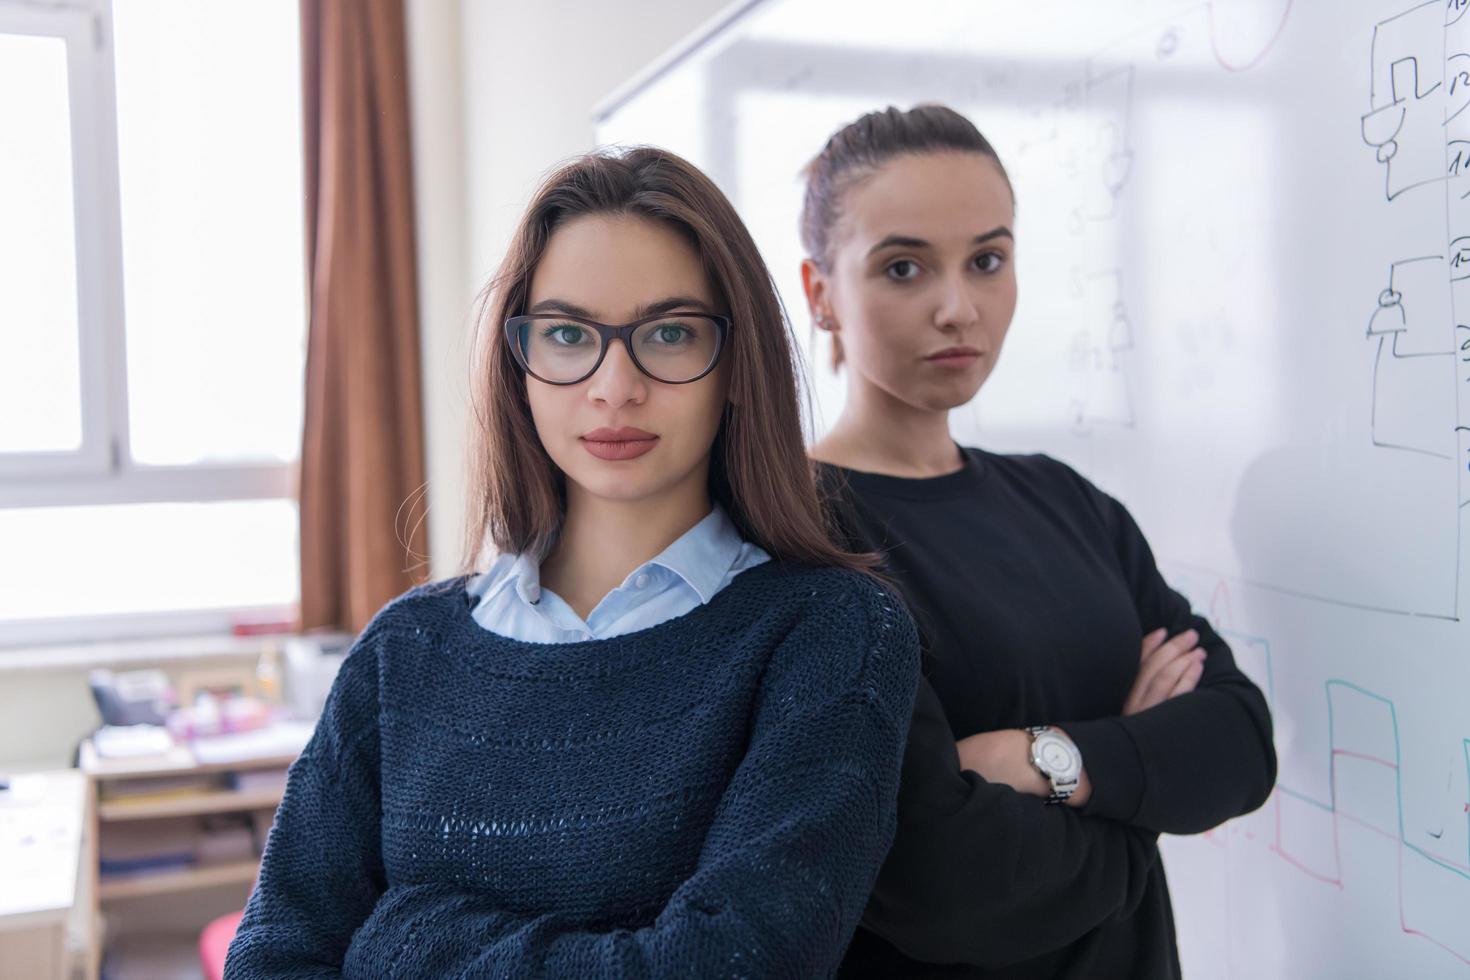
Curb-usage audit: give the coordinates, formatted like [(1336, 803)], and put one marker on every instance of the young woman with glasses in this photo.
[(659, 732), (1073, 707)]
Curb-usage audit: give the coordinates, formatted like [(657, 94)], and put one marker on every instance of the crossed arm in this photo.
[(778, 889)]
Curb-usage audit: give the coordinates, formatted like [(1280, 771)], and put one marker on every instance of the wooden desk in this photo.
[(43, 819), (138, 813)]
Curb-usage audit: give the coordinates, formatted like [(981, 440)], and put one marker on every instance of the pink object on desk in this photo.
[(214, 943)]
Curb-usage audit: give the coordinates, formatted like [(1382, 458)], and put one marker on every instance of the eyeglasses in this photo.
[(675, 348)]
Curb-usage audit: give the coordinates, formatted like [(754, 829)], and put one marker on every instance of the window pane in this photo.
[(132, 558), (209, 133), (40, 378)]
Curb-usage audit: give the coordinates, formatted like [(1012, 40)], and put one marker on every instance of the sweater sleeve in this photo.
[(982, 874), (322, 872), (1194, 761), (788, 862)]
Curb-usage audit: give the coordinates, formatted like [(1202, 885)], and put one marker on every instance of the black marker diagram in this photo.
[(1098, 355), (1417, 87), (1107, 101), (1413, 406), (1086, 133), (1419, 90)]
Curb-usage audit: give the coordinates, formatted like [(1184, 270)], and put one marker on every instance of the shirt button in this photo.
[(640, 581)]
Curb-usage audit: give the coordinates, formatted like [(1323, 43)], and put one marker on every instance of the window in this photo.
[(152, 314), (38, 272)]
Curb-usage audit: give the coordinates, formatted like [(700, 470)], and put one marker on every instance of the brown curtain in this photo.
[(363, 537)]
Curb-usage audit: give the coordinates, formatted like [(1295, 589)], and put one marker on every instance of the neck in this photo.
[(878, 433), (603, 540)]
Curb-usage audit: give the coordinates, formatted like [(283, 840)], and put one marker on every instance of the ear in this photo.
[(819, 303), (814, 284)]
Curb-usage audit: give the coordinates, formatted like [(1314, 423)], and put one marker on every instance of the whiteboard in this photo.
[(1244, 261)]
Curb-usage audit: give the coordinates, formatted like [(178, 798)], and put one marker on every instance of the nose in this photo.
[(617, 380), (957, 310)]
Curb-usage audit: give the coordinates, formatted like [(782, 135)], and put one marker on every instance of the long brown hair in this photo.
[(759, 471)]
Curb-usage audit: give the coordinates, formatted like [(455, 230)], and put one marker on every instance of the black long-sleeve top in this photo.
[(1032, 590)]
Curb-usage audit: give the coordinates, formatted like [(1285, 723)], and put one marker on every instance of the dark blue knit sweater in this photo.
[(709, 797)]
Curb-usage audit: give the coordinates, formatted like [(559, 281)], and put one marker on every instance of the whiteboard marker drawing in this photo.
[(1408, 105)]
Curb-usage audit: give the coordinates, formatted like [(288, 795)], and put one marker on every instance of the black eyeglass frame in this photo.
[(607, 333)]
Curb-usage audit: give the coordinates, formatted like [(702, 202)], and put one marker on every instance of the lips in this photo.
[(953, 352), (954, 357), (626, 434), (616, 444)]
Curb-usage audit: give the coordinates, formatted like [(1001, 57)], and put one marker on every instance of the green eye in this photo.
[(671, 333), (565, 334)]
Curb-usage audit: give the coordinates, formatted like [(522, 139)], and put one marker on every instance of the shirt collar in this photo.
[(525, 574), (510, 571), (702, 555)]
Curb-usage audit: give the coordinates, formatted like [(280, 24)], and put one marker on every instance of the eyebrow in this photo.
[(908, 241), (647, 309)]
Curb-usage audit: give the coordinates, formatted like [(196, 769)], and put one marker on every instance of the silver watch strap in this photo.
[(1060, 792)]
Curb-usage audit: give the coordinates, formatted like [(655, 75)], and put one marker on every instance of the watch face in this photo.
[(1055, 756)]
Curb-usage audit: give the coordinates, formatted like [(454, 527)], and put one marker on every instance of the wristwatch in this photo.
[(1058, 759)]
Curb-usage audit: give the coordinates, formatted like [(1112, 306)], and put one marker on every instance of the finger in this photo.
[(1143, 694), (1167, 676), (1151, 642), (1162, 654), (1189, 680), (1130, 703), (1165, 654), (1177, 644), (1137, 701), (1143, 684), (1184, 642)]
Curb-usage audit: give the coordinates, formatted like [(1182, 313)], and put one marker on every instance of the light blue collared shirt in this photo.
[(679, 579)]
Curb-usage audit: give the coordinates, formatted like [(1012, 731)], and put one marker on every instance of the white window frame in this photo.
[(97, 245), (102, 471)]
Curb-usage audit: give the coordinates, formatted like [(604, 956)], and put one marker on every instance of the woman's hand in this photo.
[(1167, 668), (1005, 757)]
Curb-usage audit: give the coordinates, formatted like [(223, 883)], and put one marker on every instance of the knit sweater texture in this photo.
[(711, 797)]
